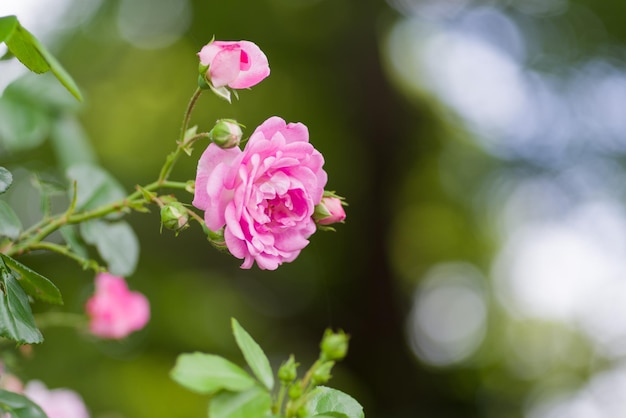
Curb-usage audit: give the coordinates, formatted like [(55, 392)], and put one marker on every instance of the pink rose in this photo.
[(115, 311), (56, 403), (264, 195), (329, 211), (238, 65)]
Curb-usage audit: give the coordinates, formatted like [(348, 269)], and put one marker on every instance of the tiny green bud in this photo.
[(226, 133), (174, 216), (288, 370), (334, 346), (322, 374), (295, 390)]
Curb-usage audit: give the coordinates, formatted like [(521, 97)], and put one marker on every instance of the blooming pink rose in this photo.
[(238, 65), (330, 211), (56, 403), (264, 195), (115, 311)]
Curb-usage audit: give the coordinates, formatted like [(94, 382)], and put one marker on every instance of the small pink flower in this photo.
[(329, 211), (115, 311), (56, 403), (264, 195), (238, 65)]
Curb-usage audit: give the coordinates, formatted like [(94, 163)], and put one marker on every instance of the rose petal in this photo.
[(224, 69)]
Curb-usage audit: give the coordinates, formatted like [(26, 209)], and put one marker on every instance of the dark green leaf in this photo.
[(7, 26), (95, 186), (16, 318), (255, 402), (254, 355), (207, 373), (34, 283), (6, 178), (19, 406), (327, 401), (116, 242), (10, 225)]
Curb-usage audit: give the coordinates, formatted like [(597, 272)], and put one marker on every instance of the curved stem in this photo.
[(85, 263), (50, 225), (171, 158)]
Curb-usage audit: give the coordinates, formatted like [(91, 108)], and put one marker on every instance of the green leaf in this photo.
[(57, 68), (331, 402), (95, 186), (72, 238), (10, 224), (42, 92), (19, 406), (33, 54), (6, 178), (16, 318), (34, 283), (21, 44), (328, 415), (7, 26), (208, 373), (21, 127), (254, 355), (70, 143), (255, 402), (116, 242)]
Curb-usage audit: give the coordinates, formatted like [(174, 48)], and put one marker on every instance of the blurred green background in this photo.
[(480, 145)]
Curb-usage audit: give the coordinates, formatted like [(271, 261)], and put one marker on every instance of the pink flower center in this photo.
[(286, 210)]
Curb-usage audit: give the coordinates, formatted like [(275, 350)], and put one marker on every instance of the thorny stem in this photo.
[(50, 225)]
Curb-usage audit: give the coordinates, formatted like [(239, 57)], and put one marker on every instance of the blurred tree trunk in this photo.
[(379, 353)]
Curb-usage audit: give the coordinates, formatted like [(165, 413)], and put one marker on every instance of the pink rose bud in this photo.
[(237, 65), (226, 133), (264, 195), (56, 403), (115, 311), (329, 211)]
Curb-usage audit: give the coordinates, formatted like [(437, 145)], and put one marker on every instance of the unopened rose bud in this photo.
[(322, 374), (334, 346), (216, 238), (174, 216), (288, 370), (329, 211), (226, 133), (295, 390)]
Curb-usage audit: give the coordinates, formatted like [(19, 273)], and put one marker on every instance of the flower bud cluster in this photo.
[(333, 347)]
